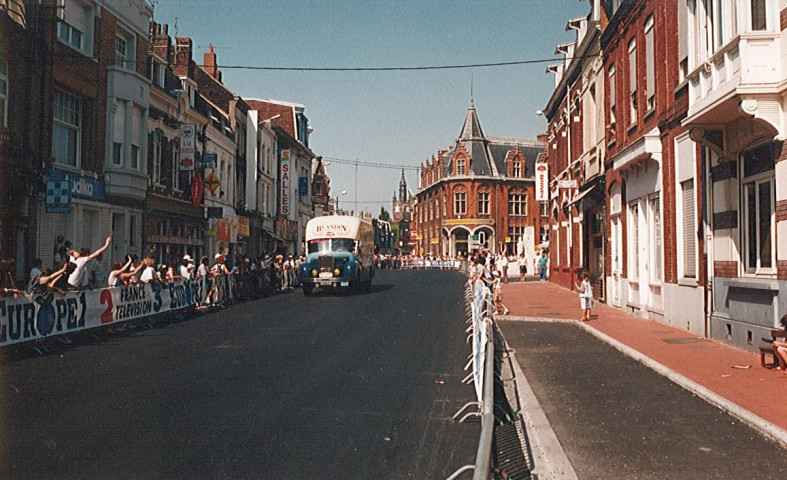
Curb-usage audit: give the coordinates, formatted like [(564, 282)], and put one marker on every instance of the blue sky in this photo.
[(396, 118)]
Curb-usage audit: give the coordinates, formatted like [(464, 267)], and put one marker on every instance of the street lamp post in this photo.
[(343, 192)]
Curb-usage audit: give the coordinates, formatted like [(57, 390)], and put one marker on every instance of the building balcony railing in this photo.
[(749, 65)]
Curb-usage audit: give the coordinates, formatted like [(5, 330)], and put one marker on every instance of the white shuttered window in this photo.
[(689, 229)]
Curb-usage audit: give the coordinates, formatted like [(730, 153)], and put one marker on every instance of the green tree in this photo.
[(384, 215)]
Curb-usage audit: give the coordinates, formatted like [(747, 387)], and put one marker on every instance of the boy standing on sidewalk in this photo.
[(543, 262), (586, 300)]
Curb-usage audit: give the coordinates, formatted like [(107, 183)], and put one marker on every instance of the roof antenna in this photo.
[(471, 91)]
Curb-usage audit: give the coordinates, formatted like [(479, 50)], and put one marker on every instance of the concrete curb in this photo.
[(772, 432), (549, 457)]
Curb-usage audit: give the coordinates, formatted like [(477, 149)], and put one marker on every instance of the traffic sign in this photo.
[(197, 190), (212, 182)]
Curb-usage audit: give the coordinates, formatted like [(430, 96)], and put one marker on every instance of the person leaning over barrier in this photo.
[(115, 278), (47, 281), (35, 272), (149, 274), (78, 278)]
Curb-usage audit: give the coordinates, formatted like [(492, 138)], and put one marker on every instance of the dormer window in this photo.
[(517, 169), (461, 166)]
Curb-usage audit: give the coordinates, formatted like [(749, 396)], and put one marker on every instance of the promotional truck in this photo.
[(340, 253)]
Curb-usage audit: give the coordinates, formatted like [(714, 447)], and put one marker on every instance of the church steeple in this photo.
[(402, 189)]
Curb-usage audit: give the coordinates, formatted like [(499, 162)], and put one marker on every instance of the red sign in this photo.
[(223, 231), (197, 190), (542, 182)]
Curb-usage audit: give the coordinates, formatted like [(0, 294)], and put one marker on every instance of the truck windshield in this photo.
[(322, 245)]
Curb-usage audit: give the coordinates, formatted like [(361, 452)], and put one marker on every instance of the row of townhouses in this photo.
[(110, 128), (665, 151)]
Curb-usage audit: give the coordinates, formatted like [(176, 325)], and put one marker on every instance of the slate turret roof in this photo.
[(488, 154)]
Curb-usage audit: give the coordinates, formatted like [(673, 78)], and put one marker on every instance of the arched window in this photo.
[(460, 203), (483, 202)]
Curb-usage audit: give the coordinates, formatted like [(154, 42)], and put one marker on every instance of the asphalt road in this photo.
[(617, 419), (327, 386)]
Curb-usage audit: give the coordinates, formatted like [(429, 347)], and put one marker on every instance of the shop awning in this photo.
[(578, 197), (590, 187)]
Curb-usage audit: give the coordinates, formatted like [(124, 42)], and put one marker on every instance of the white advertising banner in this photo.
[(188, 146), (542, 182), (32, 317), (286, 184)]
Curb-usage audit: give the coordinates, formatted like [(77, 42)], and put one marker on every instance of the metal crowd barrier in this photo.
[(432, 264), (482, 360)]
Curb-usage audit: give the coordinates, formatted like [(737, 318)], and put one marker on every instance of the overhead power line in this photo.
[(368, 164), (368, 69), (393, 69)]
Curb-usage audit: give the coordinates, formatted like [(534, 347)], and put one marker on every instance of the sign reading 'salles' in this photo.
[(285, 183), (542, 182)]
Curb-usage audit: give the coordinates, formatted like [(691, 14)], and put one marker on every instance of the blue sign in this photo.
[(58, 196), (81, 187), (58, 192), (209, 161), (303, 186), (58, 209)]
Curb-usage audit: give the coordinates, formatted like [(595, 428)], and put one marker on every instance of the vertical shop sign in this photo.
[(542, 182), (188, 139), (285, 183)]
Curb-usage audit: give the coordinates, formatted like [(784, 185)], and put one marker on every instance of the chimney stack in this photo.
[(161, 43), (183, 62), (209, 64)]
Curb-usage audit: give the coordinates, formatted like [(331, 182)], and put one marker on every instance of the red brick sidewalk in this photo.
[(708, 363)]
